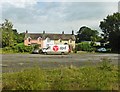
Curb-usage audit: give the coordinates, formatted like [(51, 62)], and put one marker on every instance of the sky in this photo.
[(55, 16)]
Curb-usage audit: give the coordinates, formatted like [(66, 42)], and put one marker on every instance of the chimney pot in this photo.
[(43, 32), (72, 32), (26, 31)]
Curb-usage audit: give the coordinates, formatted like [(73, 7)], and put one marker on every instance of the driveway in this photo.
[(16, 62)]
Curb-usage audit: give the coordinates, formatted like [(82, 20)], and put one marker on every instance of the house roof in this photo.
[(34, 36), (51, 36)]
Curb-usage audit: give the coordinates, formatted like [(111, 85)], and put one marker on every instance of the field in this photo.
[(103, 76)]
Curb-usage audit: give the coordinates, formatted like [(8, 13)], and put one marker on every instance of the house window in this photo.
[(39, 39), (60, 40), (65, 43), (48, 39), (29, 39), (70, 41)]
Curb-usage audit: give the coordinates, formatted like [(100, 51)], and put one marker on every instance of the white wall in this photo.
[(47, 42)]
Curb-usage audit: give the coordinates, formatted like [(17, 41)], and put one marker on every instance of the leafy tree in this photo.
[(10, 36), (111, 29), (7, 33), (20, 37), (87, 34)]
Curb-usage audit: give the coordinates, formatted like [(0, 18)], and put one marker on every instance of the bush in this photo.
[(36, 46), (18, 48), (7, 49), (28, 49), (85, 78), (106, 64), (29, 79), (85, 46), (21, 48), (75, 50)]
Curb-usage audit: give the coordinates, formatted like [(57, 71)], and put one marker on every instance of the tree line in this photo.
[(110, 27)]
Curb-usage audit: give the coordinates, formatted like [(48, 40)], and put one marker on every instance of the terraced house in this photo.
[(46, 39)]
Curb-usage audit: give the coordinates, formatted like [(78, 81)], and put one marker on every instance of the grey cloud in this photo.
[(20, 15), (89, 10), (43, 14)]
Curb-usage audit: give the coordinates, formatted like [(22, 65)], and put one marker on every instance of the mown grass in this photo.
[(101, 77)]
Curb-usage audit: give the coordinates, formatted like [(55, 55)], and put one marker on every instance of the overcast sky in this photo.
[(55, 16)]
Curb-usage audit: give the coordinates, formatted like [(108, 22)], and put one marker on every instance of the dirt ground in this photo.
[(16, 62)]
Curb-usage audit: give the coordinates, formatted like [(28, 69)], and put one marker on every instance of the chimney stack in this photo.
[(26, 31), (43, 32), (62, 32), (72, 32)]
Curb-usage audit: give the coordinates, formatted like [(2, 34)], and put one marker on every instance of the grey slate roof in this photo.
[(51, 36)]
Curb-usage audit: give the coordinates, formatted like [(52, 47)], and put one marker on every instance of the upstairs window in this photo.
[(70, 41), (60, 40), (48, 39), (29, 39), (39, 39)]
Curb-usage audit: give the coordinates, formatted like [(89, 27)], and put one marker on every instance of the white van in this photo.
[(56, 49)]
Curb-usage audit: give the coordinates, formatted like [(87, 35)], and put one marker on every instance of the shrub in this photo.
[(84, 78), (77, 47), (30, 79), (22, 48), (28, 49), (36, 46), (7, 49), (85, 46), (75, 50), (106, 64), (18, 48)]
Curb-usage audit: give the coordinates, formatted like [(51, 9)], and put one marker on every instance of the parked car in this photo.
[(102, 49), (36, 51)]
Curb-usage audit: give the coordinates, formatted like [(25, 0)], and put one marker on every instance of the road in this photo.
[(16, 62)]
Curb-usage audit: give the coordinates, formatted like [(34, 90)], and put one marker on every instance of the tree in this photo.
[(10, 36), (7, 33), (87, 34), (18, 37), (111, 28)]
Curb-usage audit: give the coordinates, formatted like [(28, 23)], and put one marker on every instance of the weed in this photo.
[(104, 77)]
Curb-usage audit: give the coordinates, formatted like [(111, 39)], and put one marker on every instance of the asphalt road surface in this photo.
[(16, 62)]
